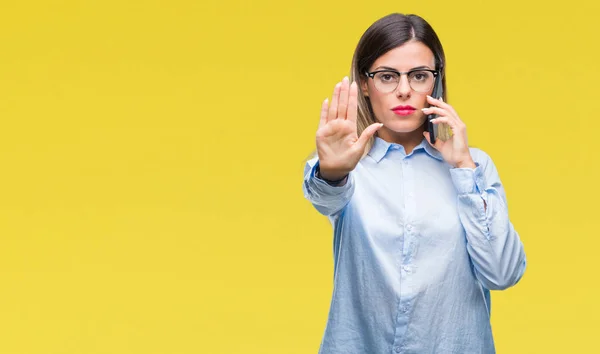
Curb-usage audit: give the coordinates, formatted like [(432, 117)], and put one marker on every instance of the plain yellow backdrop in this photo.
[(151, 157)]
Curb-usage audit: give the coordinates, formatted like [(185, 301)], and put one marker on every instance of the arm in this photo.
[(339, 148), (494, 246), (326, 198)]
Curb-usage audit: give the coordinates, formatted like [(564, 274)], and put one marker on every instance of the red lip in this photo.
[(404, 108), (404, 111)]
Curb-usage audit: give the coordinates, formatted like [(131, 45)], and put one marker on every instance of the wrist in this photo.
[(332, 178), (466, 163)]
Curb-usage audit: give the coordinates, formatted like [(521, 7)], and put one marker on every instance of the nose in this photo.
[(403, 90)]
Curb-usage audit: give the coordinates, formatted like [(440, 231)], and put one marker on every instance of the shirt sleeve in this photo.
[(493, 244), (327, 199)]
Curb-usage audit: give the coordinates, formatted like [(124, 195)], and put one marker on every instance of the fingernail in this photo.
[(346, 78), (425, 109)]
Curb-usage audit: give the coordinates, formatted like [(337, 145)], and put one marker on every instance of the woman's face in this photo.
[(400, 110)]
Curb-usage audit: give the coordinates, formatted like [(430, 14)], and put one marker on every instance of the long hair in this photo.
[(385, 34)]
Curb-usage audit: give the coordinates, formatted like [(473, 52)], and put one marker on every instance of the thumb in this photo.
[(426, 134), (367, 134), (438, 143)]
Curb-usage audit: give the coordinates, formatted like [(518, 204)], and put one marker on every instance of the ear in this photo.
[(364, 86)]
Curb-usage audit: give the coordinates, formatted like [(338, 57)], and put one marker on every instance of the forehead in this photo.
[(407, 56)]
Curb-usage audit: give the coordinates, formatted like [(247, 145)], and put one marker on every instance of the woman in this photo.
[(421, 231)]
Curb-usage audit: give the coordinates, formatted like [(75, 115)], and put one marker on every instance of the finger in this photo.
[(436, 101), (326, 131), (334, 102), (446, 120), (441, 104), (367, 134), (451, 122), (324, 107), (343, 101), (436, 110), (352, 103), (443, 113), (433, 101)]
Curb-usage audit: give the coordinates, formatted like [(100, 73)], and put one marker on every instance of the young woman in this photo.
[(421, 231)]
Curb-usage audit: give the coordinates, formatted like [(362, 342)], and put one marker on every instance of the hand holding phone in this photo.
[(437, 131)]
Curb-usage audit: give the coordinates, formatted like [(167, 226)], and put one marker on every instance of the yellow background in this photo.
[(151, 157)]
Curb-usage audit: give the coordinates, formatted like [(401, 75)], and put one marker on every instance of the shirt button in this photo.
[(406, 268), (404, 309), (398, 349)]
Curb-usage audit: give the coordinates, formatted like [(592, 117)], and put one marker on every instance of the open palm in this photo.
[(338, 145)]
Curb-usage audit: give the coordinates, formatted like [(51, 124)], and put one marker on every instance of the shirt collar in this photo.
[(381, 147)]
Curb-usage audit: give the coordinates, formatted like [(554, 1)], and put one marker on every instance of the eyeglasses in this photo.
[(420, 80)]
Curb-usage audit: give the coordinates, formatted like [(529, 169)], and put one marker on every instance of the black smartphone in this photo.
[(438, 92)]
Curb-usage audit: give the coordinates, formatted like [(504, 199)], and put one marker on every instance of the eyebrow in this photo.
[(392, 69)]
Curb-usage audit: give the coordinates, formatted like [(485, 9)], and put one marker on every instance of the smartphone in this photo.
[(438, 92)]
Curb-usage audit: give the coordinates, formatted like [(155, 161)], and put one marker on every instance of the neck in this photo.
[(408, 140)]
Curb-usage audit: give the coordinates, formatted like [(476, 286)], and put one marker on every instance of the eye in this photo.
[(387, 77), (421, 75)]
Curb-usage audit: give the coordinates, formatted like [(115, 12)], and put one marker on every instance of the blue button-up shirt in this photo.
[(416, 252)]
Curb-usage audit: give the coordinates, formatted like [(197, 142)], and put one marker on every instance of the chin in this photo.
[(403, 126)]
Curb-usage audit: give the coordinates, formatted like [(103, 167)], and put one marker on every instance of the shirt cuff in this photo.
[(323, 183), (468, 180)]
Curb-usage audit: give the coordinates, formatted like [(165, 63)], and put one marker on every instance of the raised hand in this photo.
[(338, 145)]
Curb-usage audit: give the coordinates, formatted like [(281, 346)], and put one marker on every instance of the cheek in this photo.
[(378, 102), (421, 100)]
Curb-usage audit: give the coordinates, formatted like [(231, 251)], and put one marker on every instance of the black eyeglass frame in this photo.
[(407, 73)]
